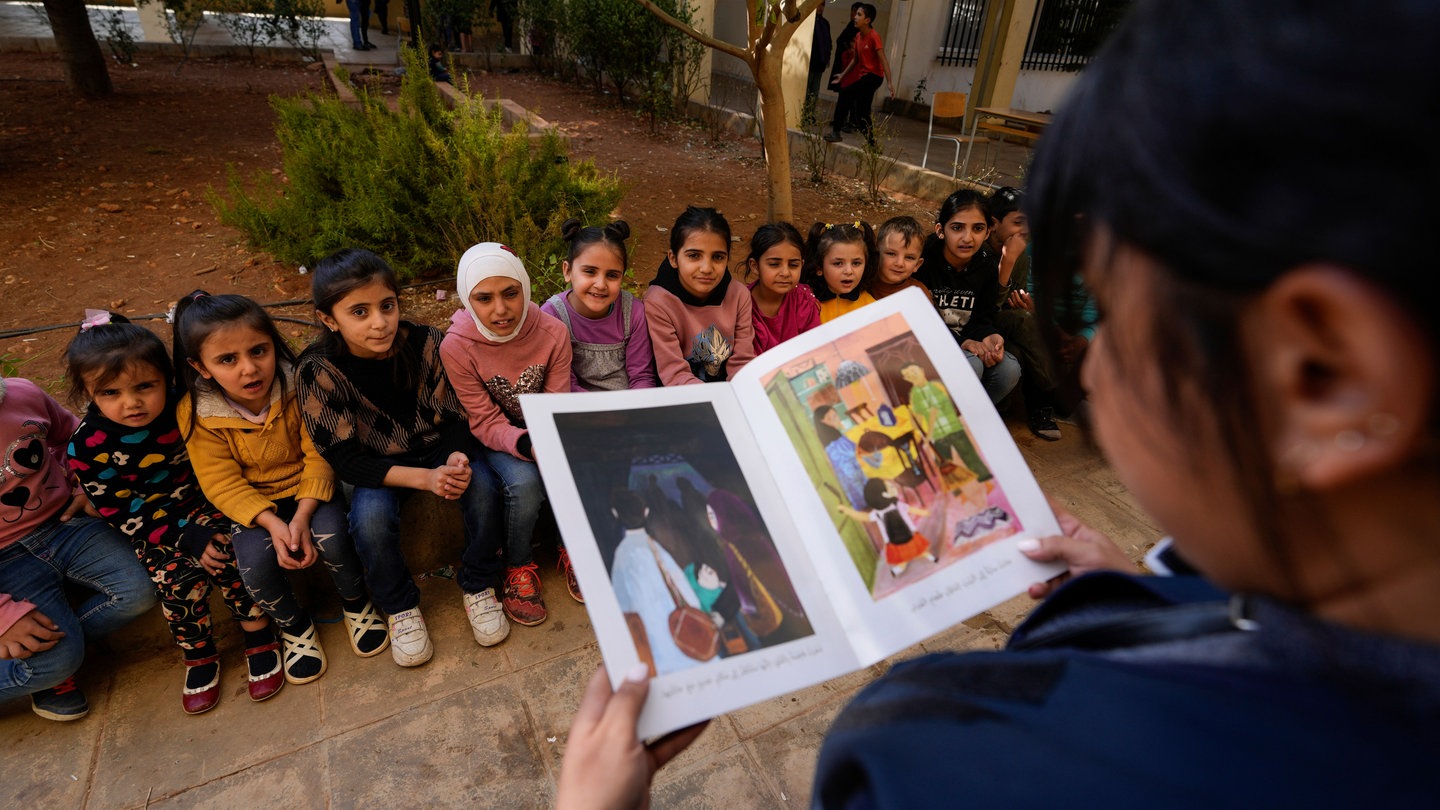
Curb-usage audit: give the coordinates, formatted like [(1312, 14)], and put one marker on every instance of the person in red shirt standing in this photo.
[(861, 77)]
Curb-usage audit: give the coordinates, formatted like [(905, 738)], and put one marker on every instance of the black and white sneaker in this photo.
[(1042, 424)]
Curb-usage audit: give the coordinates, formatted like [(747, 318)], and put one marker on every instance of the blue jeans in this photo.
[(375, 525), (524, 496), (998, 379), (268, 583), (82, 550), (359, 21)]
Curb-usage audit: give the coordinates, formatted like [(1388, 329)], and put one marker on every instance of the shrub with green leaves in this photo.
[(417, 185)]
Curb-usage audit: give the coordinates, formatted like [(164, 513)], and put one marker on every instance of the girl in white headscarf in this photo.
[(499, 347)]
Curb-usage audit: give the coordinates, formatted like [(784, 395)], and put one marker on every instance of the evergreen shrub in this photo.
[(417, 185)]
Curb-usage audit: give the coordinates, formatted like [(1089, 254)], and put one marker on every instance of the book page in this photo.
[(684, 549), (910, 490)]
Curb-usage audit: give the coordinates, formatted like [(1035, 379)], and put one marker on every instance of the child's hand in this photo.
[(302, 548), (447, 482), (995, 349), (32, 633), (1080, 547), (1020, 299), (214, 558), (605, 763)]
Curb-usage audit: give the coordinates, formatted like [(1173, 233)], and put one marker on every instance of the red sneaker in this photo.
[(568, 570), (521, 596)]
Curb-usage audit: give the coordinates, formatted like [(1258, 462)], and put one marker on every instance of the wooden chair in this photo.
[(949, 105)]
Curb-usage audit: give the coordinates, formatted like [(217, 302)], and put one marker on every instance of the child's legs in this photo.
[(375, 528), (863, 98), (183, 588), (330, 527), (1001, 378), (264, 578), (88, 552), (27, 577), (483, 560), (997, 379), (524, 495)]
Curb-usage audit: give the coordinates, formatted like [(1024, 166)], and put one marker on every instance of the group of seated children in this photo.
[(229, 460)]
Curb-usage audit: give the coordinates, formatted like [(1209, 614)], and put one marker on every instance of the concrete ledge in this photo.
[(261, 53)]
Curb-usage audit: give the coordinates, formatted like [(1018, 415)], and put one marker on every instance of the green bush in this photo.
[(417, 186)]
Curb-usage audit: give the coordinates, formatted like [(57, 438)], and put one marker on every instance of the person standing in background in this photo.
[(819, 57)]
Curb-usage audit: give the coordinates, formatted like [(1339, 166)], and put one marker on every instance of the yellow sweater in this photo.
[(243, 467), (837, 306)]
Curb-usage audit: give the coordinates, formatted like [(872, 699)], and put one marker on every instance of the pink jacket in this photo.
[(489, 377)]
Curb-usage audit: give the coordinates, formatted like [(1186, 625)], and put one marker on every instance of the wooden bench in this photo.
[(1002, 130)]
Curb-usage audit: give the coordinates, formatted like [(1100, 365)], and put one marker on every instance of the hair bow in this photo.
[(94, 317)]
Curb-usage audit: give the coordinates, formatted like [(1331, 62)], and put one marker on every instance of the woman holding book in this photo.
[(1301, 668)]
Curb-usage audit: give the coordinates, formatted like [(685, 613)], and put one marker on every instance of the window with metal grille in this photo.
[(1064, 35)]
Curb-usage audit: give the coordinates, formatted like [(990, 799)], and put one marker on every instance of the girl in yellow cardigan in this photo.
[(840, 265), (256, 464)]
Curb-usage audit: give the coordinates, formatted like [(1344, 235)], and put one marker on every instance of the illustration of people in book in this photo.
[(693, 566), (871, 401)]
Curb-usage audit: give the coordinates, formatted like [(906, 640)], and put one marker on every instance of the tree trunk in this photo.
[(85, 69), (781, 206)]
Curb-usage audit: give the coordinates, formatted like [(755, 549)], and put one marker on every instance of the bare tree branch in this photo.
[(704, 39)]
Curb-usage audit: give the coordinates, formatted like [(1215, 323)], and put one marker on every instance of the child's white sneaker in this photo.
[(487, 617), (409, 638)]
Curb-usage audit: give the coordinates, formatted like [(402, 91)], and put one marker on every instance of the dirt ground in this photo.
[(103, 203)]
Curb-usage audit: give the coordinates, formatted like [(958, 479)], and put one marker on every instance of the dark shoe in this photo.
[(304, 657), (62, 702), (264, 684), (833, 137), (201, 699), (848, 128), (368, 635), (1042, 424)]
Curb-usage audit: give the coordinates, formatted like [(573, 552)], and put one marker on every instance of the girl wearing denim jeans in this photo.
[(241, 421), (45, 542), (376, 401), (497, 348)]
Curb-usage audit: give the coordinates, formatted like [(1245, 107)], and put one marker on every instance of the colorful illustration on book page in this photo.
[(694, 568), (890, 454)]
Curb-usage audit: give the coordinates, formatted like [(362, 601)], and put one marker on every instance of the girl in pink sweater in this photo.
[(499, 347), (700, 323), (783, 306)]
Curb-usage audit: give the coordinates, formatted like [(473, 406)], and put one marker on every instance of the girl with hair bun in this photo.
[(609, 338)]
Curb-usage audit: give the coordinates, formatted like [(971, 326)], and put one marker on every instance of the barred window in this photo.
[(1064, 35)]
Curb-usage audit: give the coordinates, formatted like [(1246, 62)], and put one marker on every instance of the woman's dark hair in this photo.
[(581, 236), (1205, 177), (200, 314), (962, 200), (100, 353), (695, 219), (771, 234), (824, 431), (822, 237)]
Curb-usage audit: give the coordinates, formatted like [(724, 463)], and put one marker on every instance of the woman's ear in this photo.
[(1344, 375)]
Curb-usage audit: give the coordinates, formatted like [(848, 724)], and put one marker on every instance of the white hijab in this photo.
[(488, 260)]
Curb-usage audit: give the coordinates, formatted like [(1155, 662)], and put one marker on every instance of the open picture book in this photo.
[(847, 494)]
